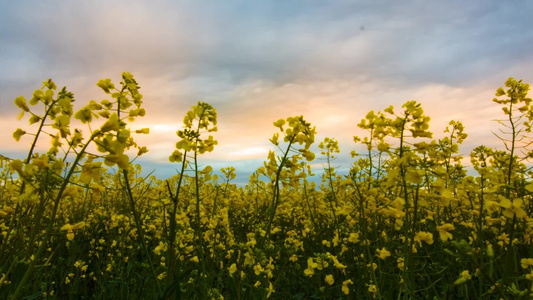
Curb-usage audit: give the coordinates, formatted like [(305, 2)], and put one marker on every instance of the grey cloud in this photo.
[(214, 50), (237, 41)]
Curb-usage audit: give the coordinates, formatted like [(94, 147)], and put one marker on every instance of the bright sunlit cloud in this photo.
[(249, 153)]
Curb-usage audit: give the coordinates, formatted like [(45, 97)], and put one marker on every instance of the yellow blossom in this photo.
[(424, 236), (270, 289), (526, 262), (373, 290), (345, 287), (279, 123), (329, 279), (258, 269), (464, 276), (512, 208), (232, 269), (383, 253), (401, 264), (444, 233), (293, 258), (161, 247), (162, 276), (248, 259)]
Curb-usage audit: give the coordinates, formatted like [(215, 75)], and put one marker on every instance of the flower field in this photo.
[(409, 221)]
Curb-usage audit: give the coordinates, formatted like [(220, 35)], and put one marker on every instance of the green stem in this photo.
[(42, 247), (13, 221), (138, 224), (276, 194), (172, 235)]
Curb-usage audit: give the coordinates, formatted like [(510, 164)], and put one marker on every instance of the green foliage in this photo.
[(408, 221)]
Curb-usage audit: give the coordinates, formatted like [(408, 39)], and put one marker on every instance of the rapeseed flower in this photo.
[(464, 277), (423, 236), (444, 231), (232, 269), (270, 289), (345, 287), (382, 253), (329, 279)]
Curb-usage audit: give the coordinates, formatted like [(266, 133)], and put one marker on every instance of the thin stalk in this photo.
[(333, 197), (276, 194), (172, 235), (48, 233), (13, 221)]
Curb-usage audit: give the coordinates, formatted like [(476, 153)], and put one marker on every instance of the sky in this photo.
[(259, 61)]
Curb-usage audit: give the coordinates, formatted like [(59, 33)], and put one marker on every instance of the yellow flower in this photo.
[(530, 276), (161, 247), (270, 289), (176, 156), (18, 134), (85, 115), (309, 272), (294, 258), (106, 85), (503, 239), (232, 269), (424, 236), (383, 253), (195, 259), (512, 208), (526, 262), (21, 103), (308, 155), (71, 191), (374, 266), (401, 264), (345, 288), (354, 237), (373, 290), (338, 264), (274, 140), (17, 165), (90, 170), (383, 147), (121, 160), (62, 124), (162, 276), (464, 276), (321, 263), (248, 259), (258, 269), (70, 232), (111, 124), (279, 123), (444, 231), (143, 131), (329, 279)]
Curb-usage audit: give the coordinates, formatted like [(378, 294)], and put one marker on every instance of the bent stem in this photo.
[(276, 194)]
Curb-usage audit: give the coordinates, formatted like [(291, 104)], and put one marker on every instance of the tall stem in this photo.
[(276, 194), (49, 228), (138, 224)]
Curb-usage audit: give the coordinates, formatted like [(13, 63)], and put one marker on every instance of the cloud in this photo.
[(257, 62)]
